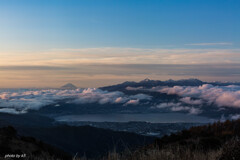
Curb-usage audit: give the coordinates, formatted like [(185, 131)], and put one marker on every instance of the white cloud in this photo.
[(121, 100), (177, 107), (195, 110), (188, 100), (167, 105), (191, 110), (132, 102), (236, 116), (180, 108), (11, 111)]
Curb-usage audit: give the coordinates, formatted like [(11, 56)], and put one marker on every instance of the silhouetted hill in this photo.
[(147, 83), (153, 83), (210, 136), (84, 140), (29, 148), (217, 141), (68, 86)]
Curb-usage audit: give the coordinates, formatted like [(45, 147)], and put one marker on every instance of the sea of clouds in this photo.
[(221, 96), (192, 98), (20, 101)]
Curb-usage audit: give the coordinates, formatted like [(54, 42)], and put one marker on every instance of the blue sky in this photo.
[(47, 24), (93, 42)]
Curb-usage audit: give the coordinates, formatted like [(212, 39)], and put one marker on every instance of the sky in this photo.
[(92, 43)]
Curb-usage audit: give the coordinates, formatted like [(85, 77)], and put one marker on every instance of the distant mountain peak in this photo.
[(146, 80), (68, 86)]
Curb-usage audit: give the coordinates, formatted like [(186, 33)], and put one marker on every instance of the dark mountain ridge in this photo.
[(147, 83), (217, 141), (21, 147), (84, 140), (153, 83)]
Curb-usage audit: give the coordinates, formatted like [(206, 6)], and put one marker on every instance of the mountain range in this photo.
[(148, 83)]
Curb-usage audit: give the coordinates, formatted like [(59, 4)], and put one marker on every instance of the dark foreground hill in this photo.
[(82, 140), (13, 146), (218, 141), (87, 141)]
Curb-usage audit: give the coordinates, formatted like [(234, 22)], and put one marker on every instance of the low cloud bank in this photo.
[(222, 96), (193, 98), (21, 101), (177, 107)]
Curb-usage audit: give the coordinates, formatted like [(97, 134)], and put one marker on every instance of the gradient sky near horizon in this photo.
[(91, 43)]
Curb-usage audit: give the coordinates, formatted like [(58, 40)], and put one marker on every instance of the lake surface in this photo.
[(152, 118)]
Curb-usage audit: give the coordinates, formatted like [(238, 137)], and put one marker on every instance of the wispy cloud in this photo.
[(210, 44), (121, 56), (114, 65)]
